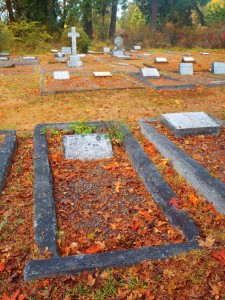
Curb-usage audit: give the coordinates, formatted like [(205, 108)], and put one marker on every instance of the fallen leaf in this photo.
[(175, 202), (135, 224), (208, 243), (14, 295), (177, 102), (94, 249), (22, 297), (5, 297), (193, 200), (2, 266), (117, 184), (220, 255), (91, 280), (111, 166)]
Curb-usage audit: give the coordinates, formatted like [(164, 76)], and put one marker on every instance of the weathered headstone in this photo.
[(137, 47), (190, 124), (188, 59), (186, 69), (161, 60), (106, 50), (61, 75), (4, 58), (102, 74), (74, 58), (150, 72), (119, 52), (218, 67), (29, 58), (4, 54), (66, 50), (87, 146)]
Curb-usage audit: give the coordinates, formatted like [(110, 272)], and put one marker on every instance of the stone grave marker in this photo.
[(106, 50), (29, 58), (150, 72), (186, 69), (59, 55), (87, 146), (4, 58), (74, 58), (137, 47), (4, 54), (190, 124), (58, 75), (102, 74), (7, 64), (205, 53), (186, 54), (54, 51), (119, 52), (161, 60), (218, 67), (66, 50), (188, 59)]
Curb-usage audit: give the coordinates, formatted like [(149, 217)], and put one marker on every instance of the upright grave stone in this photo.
[(4, 54), (66, 50), (218, 68), (119, 52), (137, 47), (106, 50), (150, 72), (186, 69), (87, 146), (74, 58), (190, 124)]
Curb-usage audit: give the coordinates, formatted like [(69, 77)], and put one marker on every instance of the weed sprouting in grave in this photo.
[(26, 135), (43, 130), (109, 289), (53, 131), (117, 134), (81, 128)]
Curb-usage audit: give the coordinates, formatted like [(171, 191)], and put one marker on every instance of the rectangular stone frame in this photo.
[(45, 215), (7, 151)]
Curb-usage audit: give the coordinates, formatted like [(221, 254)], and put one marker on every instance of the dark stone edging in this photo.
[(45, 215), (162, 87), (198, 176), (7, 151)]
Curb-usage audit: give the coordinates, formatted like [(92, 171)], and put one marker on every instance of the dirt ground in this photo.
[(197, 275)]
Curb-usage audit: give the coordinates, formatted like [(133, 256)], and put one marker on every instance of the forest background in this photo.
[(37, 25)]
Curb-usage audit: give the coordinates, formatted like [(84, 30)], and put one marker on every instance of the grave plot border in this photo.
[(33, 72), (43, 90), (45, 227), (7, 151), (162, 87), (199, 177)]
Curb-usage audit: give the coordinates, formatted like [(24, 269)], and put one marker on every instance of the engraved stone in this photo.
[(61, 75)]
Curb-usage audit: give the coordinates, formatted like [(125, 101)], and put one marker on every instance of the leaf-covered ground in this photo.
[(197, 275)]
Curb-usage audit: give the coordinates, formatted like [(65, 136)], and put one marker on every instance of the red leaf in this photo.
[(2, 266), (5, 297), (22, 297), (175, 202), (135, 225), (94, 249), (220, 255), (14, 295)]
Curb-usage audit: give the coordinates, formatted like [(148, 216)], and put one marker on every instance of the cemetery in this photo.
[(112, 156)]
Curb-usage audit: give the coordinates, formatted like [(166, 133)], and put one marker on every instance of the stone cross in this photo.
[(73, 34)]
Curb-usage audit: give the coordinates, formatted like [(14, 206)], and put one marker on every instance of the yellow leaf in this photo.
[(177, 102), (208, 243), (193, 200), (164, 161), (117, 184)]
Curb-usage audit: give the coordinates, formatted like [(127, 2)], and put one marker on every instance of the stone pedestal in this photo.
[(74, 61)]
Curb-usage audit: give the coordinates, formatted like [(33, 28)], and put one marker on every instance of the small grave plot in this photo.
[(18, 70), (125, 67), (206, 150), (103, 206), (88, 82)]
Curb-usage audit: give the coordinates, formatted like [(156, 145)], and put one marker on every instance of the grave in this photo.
[(29, 58), (102, 74), (190, 124), (161, 60), (4, 58), (188, 59), (7, 64), (54, 51), (118, 52), (186, 69), (66, 50), (45, 229), (87, 146), (150, 72), (186, 54), (4, 54), (218, 67), (59, 55), (205, 53), (74, 58), (137, 47), (106, 50), (58, 75)]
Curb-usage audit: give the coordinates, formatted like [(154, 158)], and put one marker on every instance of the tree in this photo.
[(215, 12)]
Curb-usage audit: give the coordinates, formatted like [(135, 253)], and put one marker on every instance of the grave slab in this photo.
[(29, 58), (102, 74), (199, 177), (4, 58), (87, 147), (161, 60), (218, 67), (186, 68), (137, 47), (150, 72), (190, 124), (188, 59), (4, 54), (106, 50), (7, 64), (205, 53), (61, 75), (45, 216), (54, 51)]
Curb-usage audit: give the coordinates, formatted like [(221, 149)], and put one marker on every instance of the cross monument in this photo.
[(74, 35)]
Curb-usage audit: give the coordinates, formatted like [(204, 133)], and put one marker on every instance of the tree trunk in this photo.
[(112, 27), (154, 12), (64, 13), (87, 18), (10, 10)]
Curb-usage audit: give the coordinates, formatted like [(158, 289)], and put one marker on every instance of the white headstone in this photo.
[(4, 54), (161, 60), (218, 67), (137, 47), (188, 59), (4, 58), (186, 69), (102, 74), (190, 123), (54, 50), (87, 146), (150, 72), (29, 58), (61, 75), (106, 50), (74, 58), (66, 50), (204, 53)]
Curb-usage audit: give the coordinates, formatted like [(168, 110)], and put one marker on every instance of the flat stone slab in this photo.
[(186, 68), (4, 58), (106, 50), (54, 51), (188, 59), (161, 60), (61, 75), (87, 146), (190, 124), (102, 74), (7, 64), (45, 228), (218, 67), (29, 58), (4, 54), (137, 47), (150, 72), (205, 53)]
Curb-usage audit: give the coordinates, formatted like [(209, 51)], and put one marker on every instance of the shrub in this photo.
[(83, 41), (5, 37)]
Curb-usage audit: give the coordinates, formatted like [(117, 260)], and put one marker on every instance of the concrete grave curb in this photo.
[(199, 177), (45, 215), (7, 151)]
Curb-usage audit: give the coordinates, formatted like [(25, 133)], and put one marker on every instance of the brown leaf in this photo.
[(208, 243), (94, 249), (193, 200), (91, 280), (14, 295)]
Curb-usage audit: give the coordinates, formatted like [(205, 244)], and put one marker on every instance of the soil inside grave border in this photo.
[(45, 216)]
